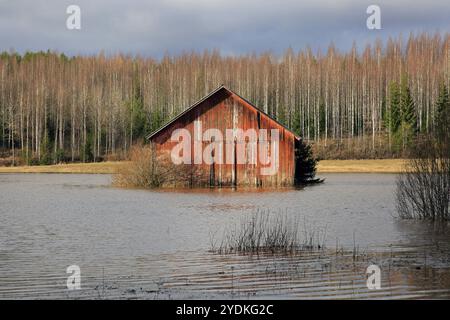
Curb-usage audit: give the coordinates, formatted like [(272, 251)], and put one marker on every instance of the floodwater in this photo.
[(156, 244)]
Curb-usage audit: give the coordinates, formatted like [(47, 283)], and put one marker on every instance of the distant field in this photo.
[(325, 166), (368, 166), (97, 167)]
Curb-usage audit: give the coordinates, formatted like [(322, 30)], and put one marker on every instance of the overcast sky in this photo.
[(153, 27)]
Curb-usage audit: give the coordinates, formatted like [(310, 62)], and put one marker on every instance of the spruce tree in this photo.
[(305, 164), (139, 119), (296, 122), (393, 114), (46, 156), (407, 105), (442, 113), (281, 116), (157, 120), (408, 113), (87, 154)]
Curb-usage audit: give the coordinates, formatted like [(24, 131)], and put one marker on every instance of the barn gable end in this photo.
[(223, 109)]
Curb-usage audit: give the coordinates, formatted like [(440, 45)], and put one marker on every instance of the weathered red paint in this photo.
[(217, 110)]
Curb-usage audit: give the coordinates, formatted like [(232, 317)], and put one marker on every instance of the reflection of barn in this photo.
[(223, 109)]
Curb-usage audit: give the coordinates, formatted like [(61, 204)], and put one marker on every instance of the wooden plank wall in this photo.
[(226, 110)]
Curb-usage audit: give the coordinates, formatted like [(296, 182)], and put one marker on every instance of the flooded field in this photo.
[(156, 244)]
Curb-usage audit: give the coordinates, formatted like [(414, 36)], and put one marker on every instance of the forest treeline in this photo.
[(365, 102)]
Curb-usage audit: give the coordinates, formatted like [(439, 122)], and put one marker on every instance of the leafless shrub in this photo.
[(149, 169), (423, 188), (271, 233)]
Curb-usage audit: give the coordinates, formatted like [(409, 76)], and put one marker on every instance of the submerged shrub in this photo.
[(147, 169), (263, 231), (423, 189)]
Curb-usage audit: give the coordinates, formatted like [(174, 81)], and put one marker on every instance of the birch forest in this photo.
[(360, 103)]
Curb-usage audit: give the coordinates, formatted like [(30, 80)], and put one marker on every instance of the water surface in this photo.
[(155, 244)]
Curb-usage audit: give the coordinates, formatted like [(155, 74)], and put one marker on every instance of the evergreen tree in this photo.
[(442, 113), (408, 114), (281, 116), (305, 164), (87, 154), (46, 157), (157, 120), (59, 155), (139, 120), (407, 104), (296, 122), (392, 116)]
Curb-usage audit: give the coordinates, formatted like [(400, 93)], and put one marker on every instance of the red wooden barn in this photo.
[(246, 147)]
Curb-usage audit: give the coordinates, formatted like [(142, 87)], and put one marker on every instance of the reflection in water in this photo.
[(144, 244)]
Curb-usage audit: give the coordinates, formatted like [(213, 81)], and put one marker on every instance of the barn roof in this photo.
[(208, 96)]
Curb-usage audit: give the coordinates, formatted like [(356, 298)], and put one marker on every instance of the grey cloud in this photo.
[(151, 28)]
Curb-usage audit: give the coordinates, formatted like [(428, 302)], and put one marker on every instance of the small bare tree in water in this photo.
[(423, 189)]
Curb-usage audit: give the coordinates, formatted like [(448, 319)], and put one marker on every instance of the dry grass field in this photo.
[(325, 166), (97, 167), (362, 166)]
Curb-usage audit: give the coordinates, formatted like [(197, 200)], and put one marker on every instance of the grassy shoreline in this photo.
[(361, 166), (324, 166), (96, 167)]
